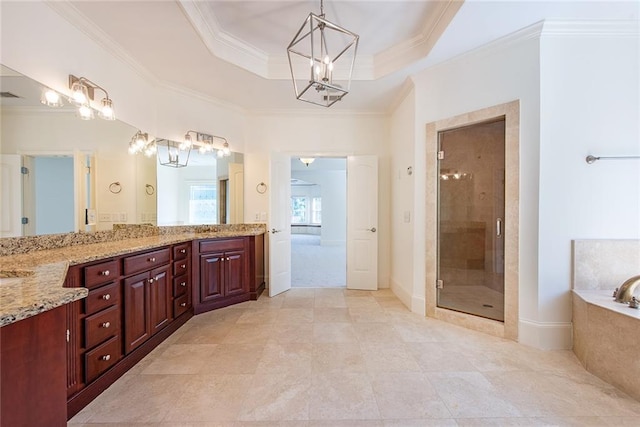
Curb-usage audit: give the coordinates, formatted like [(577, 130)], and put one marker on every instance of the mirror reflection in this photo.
[(79, 175)]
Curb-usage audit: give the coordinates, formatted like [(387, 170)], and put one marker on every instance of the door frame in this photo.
[(511, 113), (342, 154)]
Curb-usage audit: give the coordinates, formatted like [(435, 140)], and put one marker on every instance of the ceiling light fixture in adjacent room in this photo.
[(82, 92), (321, 58), (307, 160)]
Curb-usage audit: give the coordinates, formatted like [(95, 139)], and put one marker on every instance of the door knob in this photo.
[(372, 229), (274, 231)]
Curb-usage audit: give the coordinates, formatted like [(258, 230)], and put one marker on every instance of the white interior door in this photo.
[(11, 195), (280, 224), (362, 222)]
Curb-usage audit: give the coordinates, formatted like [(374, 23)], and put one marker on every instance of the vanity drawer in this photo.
[(102, 358), (180, 305), (100, 326), (221, 245), (181, 267), (182, 251), (98, 274), (146, 261), (180, 285), (102, 297)]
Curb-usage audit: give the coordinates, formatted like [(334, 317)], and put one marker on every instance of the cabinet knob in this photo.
[(152, 259), (106, 297), (105, 273), (106, 324), (106, 357), (183, 251), (183, 304), (227, 258), (183, 284), (151, 280), (184, 266)]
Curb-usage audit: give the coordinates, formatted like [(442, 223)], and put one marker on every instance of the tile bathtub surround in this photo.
[(22, 245), (335, 357), (604, 264)]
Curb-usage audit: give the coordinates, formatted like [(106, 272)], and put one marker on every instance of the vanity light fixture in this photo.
[(51, 98), (82, 93), (205, 143), (313, 64), (307, 160), (140, 143)]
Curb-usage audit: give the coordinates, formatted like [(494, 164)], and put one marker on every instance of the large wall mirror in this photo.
[(79, 175)]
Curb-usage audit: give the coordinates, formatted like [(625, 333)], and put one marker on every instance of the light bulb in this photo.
[(106, 112), (326, 59), (79, 94), (51, 98), (220, 154), (85, 112)]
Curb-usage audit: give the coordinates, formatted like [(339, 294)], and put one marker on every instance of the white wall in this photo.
[(497, 74), (590, 104), (579, 95), (173, 196), (322, 134), (333, 190), (403, 219)]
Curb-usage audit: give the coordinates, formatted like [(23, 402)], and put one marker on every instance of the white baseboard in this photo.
[(546, 335), (401, 293), (419, 305)]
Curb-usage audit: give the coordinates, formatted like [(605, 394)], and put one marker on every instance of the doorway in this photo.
[(319, 223), (471, 207)]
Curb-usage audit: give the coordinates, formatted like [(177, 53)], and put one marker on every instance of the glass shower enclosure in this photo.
[(471, 208)]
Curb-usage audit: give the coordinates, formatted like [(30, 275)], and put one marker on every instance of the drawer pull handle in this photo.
[(106, 357), (105, 273), (183, 284), (183, 304), (152, 259), (106, 297), (106, 324), (184, 266), (183, 251)]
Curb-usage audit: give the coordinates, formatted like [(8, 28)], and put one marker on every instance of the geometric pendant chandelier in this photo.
[(321, 58)]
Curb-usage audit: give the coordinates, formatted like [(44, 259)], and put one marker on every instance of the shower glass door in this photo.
[(471, 204)]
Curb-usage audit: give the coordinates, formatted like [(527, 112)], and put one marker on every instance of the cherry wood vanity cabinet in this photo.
[(228, 271), (182, 285), (129, 311), (147, 296), (223, 275), (32, 371)]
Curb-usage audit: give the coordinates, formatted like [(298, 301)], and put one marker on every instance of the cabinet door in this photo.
[(159, 298), (235, 280), (137, 326), (211, 276)]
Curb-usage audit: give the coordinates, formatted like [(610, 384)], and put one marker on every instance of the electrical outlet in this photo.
[(263, 216), (104, 217), (257, 217)]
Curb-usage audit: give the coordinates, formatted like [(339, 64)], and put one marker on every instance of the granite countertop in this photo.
[(32, 283)]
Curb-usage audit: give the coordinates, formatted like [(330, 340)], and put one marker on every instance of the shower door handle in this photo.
[(499, 227)]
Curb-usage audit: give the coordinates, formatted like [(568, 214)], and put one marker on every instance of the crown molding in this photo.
[(181, 90), (309, 112), (417, 47), (71, 14), (560, 28), (30, 110), (404, 91), (222, 44)]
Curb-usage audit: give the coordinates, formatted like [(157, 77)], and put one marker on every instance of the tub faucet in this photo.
[(626, 290)]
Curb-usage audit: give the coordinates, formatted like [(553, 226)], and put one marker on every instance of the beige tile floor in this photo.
[(334, 357)]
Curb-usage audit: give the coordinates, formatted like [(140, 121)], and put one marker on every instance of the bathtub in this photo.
[(606, 338)]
